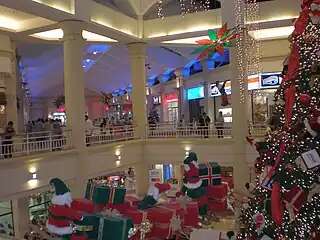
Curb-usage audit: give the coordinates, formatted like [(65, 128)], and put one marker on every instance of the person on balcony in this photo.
[(7, 142), (88, 128), (219, 124), (205, 124)]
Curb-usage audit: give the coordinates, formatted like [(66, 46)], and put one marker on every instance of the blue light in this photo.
[(96, 48), (195, 93)]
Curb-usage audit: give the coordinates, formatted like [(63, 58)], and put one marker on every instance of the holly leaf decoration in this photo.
[(217, 42), (212, 35)]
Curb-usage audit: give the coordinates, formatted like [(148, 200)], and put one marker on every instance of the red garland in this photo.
[(277, 206)]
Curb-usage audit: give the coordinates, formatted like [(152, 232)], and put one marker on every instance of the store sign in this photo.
[(61, 110), (270, 80), (264, 80), (195, 93), (173, 97), (156, 100), (155, 176)]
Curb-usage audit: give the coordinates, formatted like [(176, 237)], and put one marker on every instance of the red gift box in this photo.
[(218, 191), (76, 237), (83, 205), (295, 198), (132, 201), (228, 181), (99, 208), (217, 206), (121, 208)]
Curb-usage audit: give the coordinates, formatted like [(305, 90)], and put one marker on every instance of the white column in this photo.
[(239, 99), (142, 178), (208, 101), (73, 45), (21, 219), (138, 78), (8, 69)]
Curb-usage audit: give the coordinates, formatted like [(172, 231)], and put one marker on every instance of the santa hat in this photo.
[(163, 187), (62, 194), (309, 2)]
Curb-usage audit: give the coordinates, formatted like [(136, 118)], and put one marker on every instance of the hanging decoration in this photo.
[(59, 101), (216, 43), (106, 98)]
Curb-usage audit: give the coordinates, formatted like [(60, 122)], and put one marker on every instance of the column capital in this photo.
[(72, 28), (137, 50)]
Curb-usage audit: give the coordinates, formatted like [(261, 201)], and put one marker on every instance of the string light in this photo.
[(239, 13), (183, 7), (160, 9)]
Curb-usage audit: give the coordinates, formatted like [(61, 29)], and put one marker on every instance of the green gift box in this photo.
[(105, 195), (210, 173), (99, 227)]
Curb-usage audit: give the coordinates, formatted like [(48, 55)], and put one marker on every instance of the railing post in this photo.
[(27, 143), (50, 140)]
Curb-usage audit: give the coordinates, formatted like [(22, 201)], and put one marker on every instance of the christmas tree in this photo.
[(285, 201)]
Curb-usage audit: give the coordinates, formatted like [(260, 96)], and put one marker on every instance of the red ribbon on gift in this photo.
[(111, 195), (92, 187), (210, 175)]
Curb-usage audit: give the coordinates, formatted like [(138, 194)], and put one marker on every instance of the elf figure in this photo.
[(192, 184), (153, 195), (60, 212)]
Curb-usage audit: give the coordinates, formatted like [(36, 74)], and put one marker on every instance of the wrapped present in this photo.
[(228, 181), (83, 205), (191, 210), (217, 205), (210, 173), (218, 191), (105, 195), (86, 226), (132, 201), (294, 199), (311, 159), (167, 230), (109, 225), (264, 178), (75, 236), (156, 214), (121, 208)]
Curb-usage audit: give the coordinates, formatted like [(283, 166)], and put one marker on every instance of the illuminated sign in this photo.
[(61, 110), (264, 80), (270, 80), (195, 93), (173, 97), (156, 100)]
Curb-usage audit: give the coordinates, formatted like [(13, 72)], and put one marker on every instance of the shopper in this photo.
[(88, 128), (7, 148), (219, 124), (206, 121)]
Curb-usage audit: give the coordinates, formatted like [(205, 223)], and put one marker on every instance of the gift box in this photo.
[(105, 195), (83, 205), (228, 181), (218, 191), (155, 214), (264, 178), (121, 208), (210, 173), (294, 199), (111, 227), (311, 159), (217, 205), (132, 201)]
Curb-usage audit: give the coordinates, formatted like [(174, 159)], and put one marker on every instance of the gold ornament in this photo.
[(112, 213)]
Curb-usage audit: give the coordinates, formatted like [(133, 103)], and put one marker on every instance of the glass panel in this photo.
[(6, 224)]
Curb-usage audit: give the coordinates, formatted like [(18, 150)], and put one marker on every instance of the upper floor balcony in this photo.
[(44, 142)]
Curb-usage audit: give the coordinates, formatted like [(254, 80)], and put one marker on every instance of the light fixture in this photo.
[(119, 157), (88, 60), (95, 52), (187, 148), (118, 153), (187, 153), (57, 34), (118, 162), (272, 33)]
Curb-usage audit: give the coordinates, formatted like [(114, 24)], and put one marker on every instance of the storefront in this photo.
[(164, 172), (156, 110), (60, 114), (261, 91), (195, 97), (172, 105)]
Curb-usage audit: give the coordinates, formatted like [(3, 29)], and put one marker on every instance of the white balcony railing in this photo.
[(33, 143)]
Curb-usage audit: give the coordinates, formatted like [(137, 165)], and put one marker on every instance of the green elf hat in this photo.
[(230, 235), (192, 157), (60, 188)]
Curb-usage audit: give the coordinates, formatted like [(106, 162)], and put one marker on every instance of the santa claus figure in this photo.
[(192, 183), (60, 212), (153, 195)]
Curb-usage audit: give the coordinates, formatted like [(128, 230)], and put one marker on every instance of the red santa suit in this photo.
[(60, 212)]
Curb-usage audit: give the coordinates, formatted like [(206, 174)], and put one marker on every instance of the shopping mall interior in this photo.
[(132, 94)]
